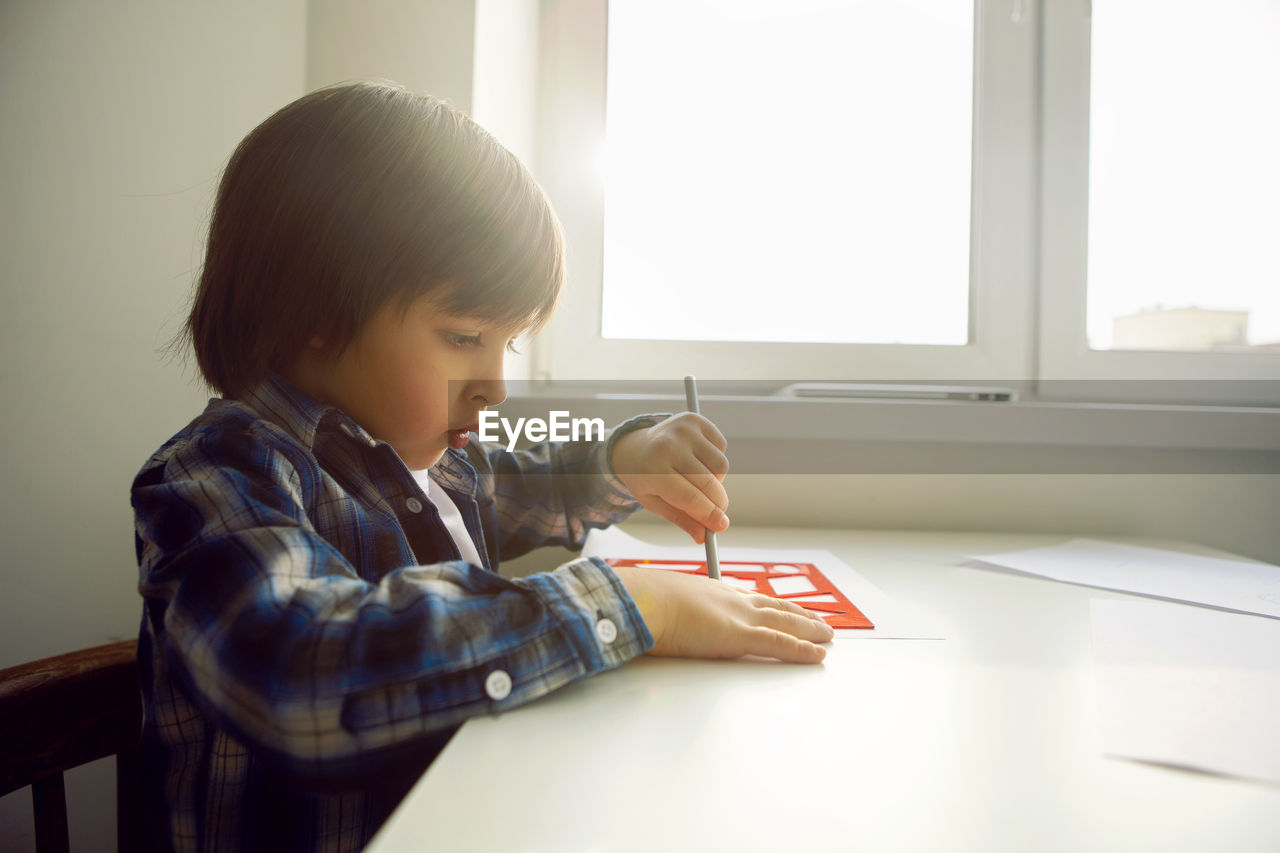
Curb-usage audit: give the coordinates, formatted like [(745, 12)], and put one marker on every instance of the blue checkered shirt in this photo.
[(310, 637)]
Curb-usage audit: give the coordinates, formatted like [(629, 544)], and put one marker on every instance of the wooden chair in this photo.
[(65, 711)]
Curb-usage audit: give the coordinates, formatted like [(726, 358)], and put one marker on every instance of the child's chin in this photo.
[(424, 457)]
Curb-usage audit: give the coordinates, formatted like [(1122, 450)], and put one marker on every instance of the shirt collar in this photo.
[(297, 412), (453, 471)]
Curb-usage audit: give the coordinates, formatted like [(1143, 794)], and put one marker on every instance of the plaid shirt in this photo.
[(310, 639)]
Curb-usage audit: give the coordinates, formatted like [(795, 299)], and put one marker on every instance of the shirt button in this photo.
[(413, 505), (498, 685), (606, 631)]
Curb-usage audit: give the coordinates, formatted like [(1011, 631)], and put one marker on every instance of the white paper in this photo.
[(1188, 687), (791, 585), (892, 621), (748, 568), (1230, 584)]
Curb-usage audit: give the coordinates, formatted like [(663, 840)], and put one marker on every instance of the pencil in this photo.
[(713, 559)]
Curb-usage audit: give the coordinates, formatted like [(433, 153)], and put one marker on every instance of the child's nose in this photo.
[(490, 386), (489, 392)]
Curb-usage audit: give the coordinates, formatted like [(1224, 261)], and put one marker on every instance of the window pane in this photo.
[(1184, 177), (788, 170)]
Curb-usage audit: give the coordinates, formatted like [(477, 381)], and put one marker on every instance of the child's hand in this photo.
[(694, 616), (676, 469)]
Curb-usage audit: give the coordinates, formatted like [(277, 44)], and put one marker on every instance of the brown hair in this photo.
[(354, 195)]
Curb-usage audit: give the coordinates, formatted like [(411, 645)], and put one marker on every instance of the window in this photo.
[(1184, 181), (743, 169), (1159, 195), (682, 163)]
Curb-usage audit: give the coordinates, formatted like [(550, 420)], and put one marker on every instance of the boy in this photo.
[(318, 550)]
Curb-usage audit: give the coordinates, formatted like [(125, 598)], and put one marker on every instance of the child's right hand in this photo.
[(696, 617)]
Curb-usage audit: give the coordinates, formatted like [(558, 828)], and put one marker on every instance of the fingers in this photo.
[(804, 625), (705, 442), (679, 518), (676, 492), (712, 432), (701, 461), (711, 453), (768, 643), (711, 456), (676, 469), (787, 631), (704, 483), (695, 422), (785, 604)]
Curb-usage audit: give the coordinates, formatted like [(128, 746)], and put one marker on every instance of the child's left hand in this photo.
[(676, 469)]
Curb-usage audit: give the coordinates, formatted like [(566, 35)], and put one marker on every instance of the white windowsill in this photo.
[(952, 436)]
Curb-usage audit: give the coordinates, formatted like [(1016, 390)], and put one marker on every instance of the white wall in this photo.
[(424, 45), (117, 119)]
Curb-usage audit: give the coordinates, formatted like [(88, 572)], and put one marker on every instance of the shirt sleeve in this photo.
[(280, 639), (554, 493)]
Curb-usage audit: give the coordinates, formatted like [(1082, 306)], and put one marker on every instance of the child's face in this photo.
[(417, 380)]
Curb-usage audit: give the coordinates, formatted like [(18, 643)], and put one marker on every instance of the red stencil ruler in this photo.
[(802, 583)]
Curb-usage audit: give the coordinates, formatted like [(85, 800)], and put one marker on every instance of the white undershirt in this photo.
[(450, 515)]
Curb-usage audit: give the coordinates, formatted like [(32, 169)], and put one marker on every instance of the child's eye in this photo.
[(511, 347), (461, 341)]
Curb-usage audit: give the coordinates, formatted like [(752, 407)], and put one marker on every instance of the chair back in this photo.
[(65, 711)]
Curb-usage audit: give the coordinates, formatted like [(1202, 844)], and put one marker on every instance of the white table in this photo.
[(984, 741)]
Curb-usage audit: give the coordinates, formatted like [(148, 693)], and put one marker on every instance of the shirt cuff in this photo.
[(628, 426), (599, 617)]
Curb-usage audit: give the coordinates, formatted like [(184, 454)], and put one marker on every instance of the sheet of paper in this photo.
[(1228, 584), (1188, 686), (891, 620)]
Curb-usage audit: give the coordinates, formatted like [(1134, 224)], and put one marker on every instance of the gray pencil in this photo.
[(691, 403)]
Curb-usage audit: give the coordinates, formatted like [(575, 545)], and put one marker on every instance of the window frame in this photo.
[(1206, 377), (1028, 236), (572, 124)]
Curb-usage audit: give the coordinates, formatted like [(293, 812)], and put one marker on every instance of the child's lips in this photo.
[(458, 438)]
